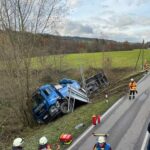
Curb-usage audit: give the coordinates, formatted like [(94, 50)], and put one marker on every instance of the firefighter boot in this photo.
[(130, 97)]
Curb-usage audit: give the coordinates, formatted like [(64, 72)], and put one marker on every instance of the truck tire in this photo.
[(58, 104), (64, 107), (53, 110)]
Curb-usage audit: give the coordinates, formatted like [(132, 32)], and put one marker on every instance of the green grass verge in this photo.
[(66, 124), (119, 59)]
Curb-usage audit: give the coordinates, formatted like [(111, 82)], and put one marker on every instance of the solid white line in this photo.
[(92, 126), (145, 141)]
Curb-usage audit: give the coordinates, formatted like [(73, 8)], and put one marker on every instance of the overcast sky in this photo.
[(112, 19)]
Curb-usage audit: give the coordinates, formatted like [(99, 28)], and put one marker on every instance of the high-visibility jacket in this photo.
[(106, 147), (132, 86)]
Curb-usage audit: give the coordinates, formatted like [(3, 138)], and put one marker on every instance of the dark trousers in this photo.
[(132, 94)]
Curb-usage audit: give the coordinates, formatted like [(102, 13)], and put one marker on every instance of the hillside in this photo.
[(50, 44), (45, 44)]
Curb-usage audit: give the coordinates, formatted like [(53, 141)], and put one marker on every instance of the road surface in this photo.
[(126, 124)]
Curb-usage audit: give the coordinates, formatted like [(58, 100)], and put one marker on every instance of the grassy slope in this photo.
[(66, 124), (83, 114), (119, 59)]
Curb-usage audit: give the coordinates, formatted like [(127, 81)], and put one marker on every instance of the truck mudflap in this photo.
[(96, 82)]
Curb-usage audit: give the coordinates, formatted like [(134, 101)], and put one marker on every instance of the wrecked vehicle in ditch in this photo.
[(51, 100)]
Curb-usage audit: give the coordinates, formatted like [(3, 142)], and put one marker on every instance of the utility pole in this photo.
[(141, 52), (143, 55)]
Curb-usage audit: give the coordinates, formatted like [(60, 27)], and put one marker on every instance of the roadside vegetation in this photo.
[(24, 67), (67, 123), (127, 59)]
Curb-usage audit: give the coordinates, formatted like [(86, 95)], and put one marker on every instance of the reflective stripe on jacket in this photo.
[(132, 86)]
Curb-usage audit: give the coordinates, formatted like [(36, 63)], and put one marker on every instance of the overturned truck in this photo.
[(51, 100)]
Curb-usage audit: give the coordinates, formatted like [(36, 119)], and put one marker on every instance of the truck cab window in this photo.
[(37, 98), (47, 92)]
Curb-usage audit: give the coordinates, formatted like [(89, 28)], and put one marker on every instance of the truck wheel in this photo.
[(52, 110), (57, 104), (64, 107)]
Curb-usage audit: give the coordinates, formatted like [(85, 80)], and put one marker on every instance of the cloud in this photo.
[(140, 2), (73, 3), (114, 19), (104, 6), (73, 28)]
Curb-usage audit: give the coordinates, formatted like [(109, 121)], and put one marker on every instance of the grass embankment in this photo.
[(67, 124), (119, 59), (83, 114)]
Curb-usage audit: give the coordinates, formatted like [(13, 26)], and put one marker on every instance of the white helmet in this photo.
[(101, 139), (18, 142), (132, 79), (43, 140)]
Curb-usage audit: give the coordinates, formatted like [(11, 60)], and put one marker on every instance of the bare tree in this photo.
[(20, 21)]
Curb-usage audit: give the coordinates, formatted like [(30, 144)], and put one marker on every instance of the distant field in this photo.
[(118, 58)]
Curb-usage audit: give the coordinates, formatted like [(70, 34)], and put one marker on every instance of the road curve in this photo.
[(126, 124)]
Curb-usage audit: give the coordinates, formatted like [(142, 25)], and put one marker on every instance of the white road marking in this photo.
[(145, 141)]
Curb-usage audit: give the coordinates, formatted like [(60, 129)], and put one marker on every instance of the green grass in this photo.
[(66, 124), (119, 59)]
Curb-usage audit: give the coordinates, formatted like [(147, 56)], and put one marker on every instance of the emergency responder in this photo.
[(43, 144), (18, 144), (101, 144), (132, 87)]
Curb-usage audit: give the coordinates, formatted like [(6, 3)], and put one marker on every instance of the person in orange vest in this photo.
[(132, 87)]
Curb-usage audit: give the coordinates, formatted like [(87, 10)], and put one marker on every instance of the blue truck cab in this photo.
[(50, 100)]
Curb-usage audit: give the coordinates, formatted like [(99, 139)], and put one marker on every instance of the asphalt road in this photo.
[(126, 124)]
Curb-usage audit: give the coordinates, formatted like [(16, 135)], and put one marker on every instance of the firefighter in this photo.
[(43, 144), (101, 144), (132, 87), (18, 144)]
